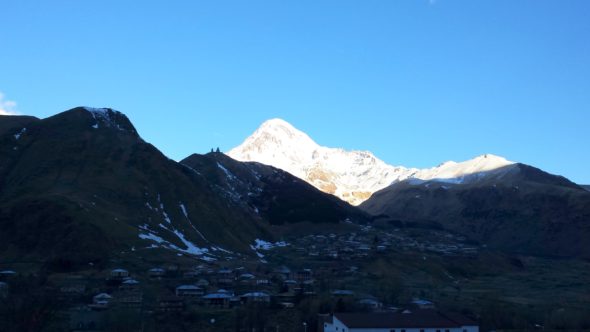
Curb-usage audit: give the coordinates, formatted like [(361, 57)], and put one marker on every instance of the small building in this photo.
[(219, 299), (171, 304), (101, 297), (422, 304), (119, 274), (370, 303), (303, 275), (100, 301), (262, 282), (156, 273), (129, 285), (342, 293), (130, 299), (189, 291), (203, 283), (73, 288), (282, 272), (255, 297), (191, 274), (417, 321), (225, 276), (7, 274)]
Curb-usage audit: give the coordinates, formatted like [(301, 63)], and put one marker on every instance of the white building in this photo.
[(416, 321)]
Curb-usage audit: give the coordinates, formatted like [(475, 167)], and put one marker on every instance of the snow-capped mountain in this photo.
[(350, 175)]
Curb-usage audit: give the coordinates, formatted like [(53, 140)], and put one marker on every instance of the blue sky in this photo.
[(416, 82)]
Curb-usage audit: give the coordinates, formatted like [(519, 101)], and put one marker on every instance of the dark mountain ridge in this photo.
[(85, 177), (270, 193), (521, 210), (82, 185)]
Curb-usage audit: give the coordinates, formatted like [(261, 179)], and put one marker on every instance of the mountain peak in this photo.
[(277, 143), (279, 131), (353, 176)]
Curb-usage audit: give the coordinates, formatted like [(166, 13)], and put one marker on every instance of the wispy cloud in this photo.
[(7, 107)]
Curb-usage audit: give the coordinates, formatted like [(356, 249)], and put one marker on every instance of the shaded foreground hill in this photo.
[(270, 193), (519, 209), (82, 184)]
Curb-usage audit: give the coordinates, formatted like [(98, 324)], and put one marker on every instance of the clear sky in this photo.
[(416, 82)]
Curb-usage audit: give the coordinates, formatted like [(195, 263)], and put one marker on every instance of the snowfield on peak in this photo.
[(353, 176)]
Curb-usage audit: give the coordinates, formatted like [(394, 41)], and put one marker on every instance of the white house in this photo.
[(415, 321)]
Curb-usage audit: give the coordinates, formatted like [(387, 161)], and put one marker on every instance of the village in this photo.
[(280, 278)]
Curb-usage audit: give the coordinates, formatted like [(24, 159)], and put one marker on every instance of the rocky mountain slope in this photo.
[(270, 193), (352, 176), (82, 184), (517, 208)]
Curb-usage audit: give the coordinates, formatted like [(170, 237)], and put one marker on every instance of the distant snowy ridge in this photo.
[(352, 176)]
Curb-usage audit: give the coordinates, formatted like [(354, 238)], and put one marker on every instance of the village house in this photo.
[(189, 291), (7, 274), (282, 273), (370, 303), (73, 288), (225, 277), (100, 301), (130, 299), (156, 273), (119, 274), (170, 304), (129, 285), (342, 293), (422, 304), (247, 279), (219, 299), (303, 275), (417, 321), (191, 274), (255, 297), (203, 283), (262, 282)]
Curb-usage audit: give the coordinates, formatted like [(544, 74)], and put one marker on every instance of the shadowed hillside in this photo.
[(522, 210)]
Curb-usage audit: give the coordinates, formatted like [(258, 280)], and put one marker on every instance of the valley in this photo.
[(100, 231)]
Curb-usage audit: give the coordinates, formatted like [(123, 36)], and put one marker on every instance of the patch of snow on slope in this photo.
[(228, 174), (184, 210), (166, 216), (153, 237), (265, 245), (149, 206), (105, 116), (20, 133), (191, 247)]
